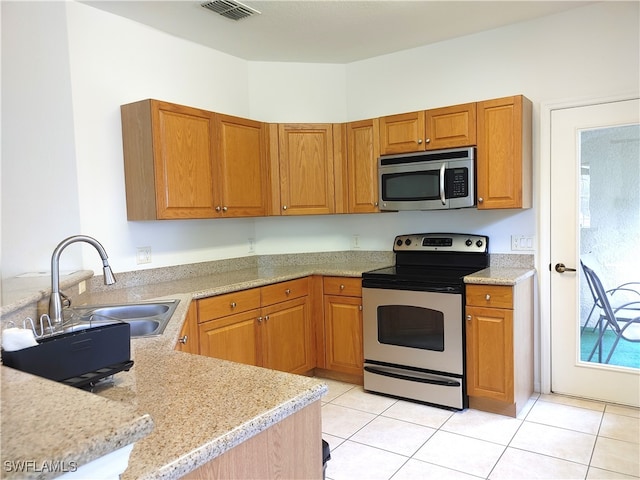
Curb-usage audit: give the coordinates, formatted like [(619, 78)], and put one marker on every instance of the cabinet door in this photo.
[(343, 330), (451, 127), (504, 175), (231, 338), (183, 159), (363, 150), (287, 336), (490, 353), (241, 163), (402, 133), (306, 169), (188, 339)]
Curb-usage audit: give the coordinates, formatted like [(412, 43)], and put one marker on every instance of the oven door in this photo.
[(415, 329)]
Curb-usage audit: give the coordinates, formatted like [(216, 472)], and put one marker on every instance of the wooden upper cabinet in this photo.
[(402, 133), (438, 128), (504, 166), (183, 162), (363, 150), (168, 156), (242, 169), (450, 127), (306, 166)]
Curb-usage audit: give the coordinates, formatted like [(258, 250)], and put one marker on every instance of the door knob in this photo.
[(560, 268)]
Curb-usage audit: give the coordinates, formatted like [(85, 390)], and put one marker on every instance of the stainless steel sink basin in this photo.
[(145, 318)]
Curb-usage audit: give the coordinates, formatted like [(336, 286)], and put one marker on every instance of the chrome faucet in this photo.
[(55, 302)]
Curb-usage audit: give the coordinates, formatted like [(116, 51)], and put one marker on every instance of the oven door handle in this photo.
[(442, 195), (432, 380)]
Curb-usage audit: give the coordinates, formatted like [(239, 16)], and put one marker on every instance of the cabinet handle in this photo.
[(419, 141), (233, 304), (480, 199), (287, 291), (487, 297), (427, 140), (468, 318), (183, 340), (284, 207)]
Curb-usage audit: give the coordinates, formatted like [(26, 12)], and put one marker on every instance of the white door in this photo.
[(595, 217)]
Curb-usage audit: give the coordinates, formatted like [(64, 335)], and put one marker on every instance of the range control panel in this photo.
[(441, 242)]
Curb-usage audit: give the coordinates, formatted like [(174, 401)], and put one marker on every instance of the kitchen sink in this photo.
[(145, 319)]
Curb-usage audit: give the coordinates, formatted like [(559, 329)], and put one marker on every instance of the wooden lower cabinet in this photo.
[(188, 339), (499, 334), (292, 448), (287, 337), (343, 325), (277, 335)]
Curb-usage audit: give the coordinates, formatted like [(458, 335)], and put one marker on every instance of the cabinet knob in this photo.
[(233, 304), (224, 209), (427, 140), (266, 317), (419, 141), (480, 199), (341, 287), (218, 208), (487, 297), (284, 207), (375, 204), (259, 319), (468, 318), (360, 307), (287, 291), (183, 340)]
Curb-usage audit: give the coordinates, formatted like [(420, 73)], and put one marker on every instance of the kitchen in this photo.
[(82, 176)]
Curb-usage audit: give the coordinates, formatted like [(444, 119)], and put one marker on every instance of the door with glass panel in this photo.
[(595, 223)]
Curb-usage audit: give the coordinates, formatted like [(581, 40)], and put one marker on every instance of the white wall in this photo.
[(110, 61), (40, 203)]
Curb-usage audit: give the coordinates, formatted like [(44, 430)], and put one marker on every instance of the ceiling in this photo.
[(329, 31)]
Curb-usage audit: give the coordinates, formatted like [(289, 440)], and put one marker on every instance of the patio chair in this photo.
[(616, 297), (623, 320)]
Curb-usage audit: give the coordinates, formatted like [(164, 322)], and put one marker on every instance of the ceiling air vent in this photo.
[(231, 9)]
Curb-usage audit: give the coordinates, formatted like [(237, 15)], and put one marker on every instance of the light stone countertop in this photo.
[(499, 276), (200, 407)]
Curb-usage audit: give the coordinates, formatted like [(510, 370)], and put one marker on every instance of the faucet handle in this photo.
[(66, 301)]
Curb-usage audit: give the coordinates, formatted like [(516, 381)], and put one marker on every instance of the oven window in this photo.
[(410, 326), (415, 186)]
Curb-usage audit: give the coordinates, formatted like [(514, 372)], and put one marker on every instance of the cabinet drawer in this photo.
[(279, 292), (227, 304), (497, 296), (348, 286)]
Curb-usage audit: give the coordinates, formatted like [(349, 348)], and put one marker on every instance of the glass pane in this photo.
[(410, 326), (609, 241)]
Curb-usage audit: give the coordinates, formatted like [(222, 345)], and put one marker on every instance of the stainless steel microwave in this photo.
[(435, 180)]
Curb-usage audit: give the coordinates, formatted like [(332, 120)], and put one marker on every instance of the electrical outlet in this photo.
[(355, 242), (143, 255), (522, 242), (252, 245)]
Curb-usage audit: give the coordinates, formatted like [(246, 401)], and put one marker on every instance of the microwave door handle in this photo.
[(442, 196)]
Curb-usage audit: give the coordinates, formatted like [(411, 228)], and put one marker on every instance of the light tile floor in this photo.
[(376, 437)]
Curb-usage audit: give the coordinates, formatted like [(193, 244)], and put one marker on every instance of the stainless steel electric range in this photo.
[(414, 345)]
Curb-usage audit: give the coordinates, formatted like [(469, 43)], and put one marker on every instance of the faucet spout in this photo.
[(55, 302)]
